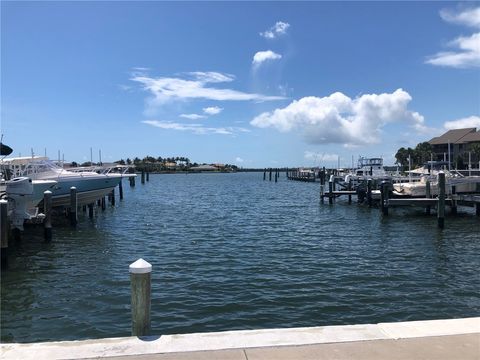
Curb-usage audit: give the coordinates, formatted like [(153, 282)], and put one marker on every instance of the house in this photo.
[(461, 142)]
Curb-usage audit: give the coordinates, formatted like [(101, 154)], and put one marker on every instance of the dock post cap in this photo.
[(140, 267), (47, 192), (3, 201), (73, 188)]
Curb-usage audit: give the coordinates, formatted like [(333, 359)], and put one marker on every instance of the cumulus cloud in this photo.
[(280, 28), (262, 56), (466, 49), (468, 122), (194, 128), (193, 85), (339, 119), (212, 110), (239, 159), (192, 116)]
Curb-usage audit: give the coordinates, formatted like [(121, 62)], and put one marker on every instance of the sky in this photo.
[(255, 84)]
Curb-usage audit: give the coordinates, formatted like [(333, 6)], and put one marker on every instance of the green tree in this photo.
[(422, 153)]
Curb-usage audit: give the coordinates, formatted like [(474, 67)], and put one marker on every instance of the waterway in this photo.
[(231, 251)]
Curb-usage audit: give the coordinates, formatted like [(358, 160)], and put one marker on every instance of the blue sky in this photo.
[(252, 84)]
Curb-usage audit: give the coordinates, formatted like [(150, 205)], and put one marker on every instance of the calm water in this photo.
[(230, 251)]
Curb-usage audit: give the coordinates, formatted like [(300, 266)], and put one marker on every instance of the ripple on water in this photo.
[(230, 251)]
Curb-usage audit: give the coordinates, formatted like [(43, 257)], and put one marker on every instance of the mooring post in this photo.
[(140, 278), (90, 210), (148, 175), (264, 174), (103, 203), (369, 192), (120, 189), (73, 206), (441, 200), (477, 209), (113, 197), (384, 192), (4, 233), (276, 176), (270, 175), (47, 210), (428, 195), (143, 176), (330, 190), (453, 201), (350, 189)]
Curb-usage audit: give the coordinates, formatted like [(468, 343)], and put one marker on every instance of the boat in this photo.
[(367, 168), (429, 172), (90, 185)]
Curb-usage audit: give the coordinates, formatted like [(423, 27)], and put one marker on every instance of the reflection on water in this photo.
[(230, 251)]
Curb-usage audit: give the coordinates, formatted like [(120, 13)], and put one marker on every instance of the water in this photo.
[(230, 251)]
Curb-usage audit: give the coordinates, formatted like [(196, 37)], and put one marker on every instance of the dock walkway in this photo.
[(434, 339)]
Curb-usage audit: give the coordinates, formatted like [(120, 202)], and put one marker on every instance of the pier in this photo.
[(433, 339)]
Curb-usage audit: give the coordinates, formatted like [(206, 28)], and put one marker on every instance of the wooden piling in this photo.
[(441, 200), (140, 278), (47, 210), (112, 199), (90, 210), (369, 193), (384, 193), (330, 190), (453, 202), (4, 233), (120, 189), (428, 195), (103, 203), (477, 209), (264, 174), (276, 176), (148, 175), (270, 175), (349, 189), (143, 177), (73, 206)]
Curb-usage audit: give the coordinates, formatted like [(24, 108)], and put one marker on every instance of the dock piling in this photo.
[(384, 192), (143, 177), (140, 278), (90, 210), (4, 233), (148, 175), (103, 203), (120, 189), (369, 192), (441, 200), (330, 189), (270, 175), (47, 210), (112, 199), (428, 195), (453, 202), (73, 206)]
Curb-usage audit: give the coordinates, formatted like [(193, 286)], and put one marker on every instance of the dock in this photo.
[(431, 339)]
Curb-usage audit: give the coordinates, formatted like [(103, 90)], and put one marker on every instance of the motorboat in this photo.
[(367, 168), (90, 185)]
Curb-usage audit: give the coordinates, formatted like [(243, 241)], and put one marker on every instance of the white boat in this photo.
[(24, 195), (368, 168), (90, 185)]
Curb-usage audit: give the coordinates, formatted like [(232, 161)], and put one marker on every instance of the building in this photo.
[(462, 143)]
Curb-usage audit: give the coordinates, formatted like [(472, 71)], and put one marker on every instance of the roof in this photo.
[(471, 137), (453, 136)]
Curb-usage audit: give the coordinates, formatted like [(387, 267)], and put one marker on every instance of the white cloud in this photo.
[(339, 119), (192, 116), (239, 159), (466, 51), (468, 122), (194, 128), (320, 157), (263, 56), (280, 28), (212, 110), (467, 17), (194, 86)]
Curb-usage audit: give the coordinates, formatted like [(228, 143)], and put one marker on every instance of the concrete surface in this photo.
[(434, 339)]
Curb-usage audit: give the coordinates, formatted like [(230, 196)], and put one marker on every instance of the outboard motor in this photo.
[(18, 190)]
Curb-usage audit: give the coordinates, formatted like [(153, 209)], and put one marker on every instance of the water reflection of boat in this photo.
[(90, 185)]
